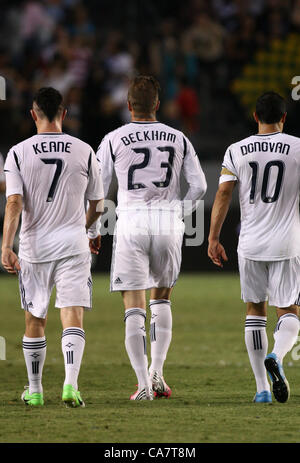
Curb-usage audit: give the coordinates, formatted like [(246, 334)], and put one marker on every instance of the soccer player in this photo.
[(266, 167), (49, 176), (148, 158)]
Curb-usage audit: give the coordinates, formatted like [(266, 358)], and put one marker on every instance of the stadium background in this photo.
[(212, 60)]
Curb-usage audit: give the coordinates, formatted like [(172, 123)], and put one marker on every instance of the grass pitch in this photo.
[(207, 368)]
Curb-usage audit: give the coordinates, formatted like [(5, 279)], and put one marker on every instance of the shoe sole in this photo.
[(159, 391), (71, 403), (160, 395), (32, 404), (27, 402), (280, 388), (147, 397)]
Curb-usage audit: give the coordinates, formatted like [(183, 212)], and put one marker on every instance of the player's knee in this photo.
[(161, 293), (294, 309), (256, 308), (71, 316), (34, 327), (134, 298)]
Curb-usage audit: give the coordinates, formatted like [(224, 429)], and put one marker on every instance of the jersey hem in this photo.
[(267, 258), (44, 261)]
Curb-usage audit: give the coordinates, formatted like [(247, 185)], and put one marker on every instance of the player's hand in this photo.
[(95, 244), (217, 253), (10, 261)]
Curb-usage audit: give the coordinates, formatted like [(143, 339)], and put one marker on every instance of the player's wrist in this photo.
[(5, 247), (92, 234), (213, 238)]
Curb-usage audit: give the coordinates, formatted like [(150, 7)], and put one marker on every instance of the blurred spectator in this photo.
[(205, 37), (72, 101), (295, 17), (36, 24), (188, 104), (196, 49)]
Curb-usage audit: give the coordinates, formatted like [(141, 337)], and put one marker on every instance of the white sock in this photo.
[(285, 334), (34, 353), (256, 341), (160, 332), (72, 345), (135, 343)]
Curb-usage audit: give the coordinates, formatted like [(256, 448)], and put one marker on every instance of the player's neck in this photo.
[(143, 118), (269, 128), (49, 127)]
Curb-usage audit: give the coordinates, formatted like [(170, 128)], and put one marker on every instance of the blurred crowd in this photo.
[(89, 50)]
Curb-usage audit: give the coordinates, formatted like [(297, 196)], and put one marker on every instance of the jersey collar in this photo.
[(51, 133), (266, 134), (145, 122)]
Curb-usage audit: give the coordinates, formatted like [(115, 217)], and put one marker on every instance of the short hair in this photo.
[(143, 94), (270, 107), (49, 101)]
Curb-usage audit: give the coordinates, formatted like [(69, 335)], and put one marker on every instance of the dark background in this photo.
[(212, 59)]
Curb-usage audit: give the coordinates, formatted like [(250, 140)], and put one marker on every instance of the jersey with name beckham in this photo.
[(148, 158)]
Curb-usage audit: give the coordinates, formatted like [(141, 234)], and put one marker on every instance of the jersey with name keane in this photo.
[(55, 173), (148, 158), (267, 168)]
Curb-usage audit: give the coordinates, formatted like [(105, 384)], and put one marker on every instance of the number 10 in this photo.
[(266, 199)]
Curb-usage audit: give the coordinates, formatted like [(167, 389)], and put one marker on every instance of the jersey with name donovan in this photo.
[(267, 168)]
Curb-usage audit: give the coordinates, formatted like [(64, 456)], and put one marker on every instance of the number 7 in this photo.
[(59, 166)]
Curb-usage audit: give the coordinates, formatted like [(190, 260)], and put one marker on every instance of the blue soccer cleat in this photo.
[(281, 389), (263, 397)]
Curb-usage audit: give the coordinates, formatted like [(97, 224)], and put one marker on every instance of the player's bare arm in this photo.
[(2, 187), (11, 221), (219, 212), (95, 210)]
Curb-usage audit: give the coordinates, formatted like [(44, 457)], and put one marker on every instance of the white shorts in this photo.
[(276, 281), (71, 276), (146, 250)]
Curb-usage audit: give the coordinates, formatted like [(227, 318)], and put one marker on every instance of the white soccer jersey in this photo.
[(148, 158), (54, 172), (267, 167)]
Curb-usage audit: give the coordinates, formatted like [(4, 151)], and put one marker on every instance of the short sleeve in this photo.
[(94, 189), (192, 169), (229, 169), (106, 159), (14, 181)]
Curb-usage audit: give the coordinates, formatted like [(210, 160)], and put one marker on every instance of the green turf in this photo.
[(207, 368)]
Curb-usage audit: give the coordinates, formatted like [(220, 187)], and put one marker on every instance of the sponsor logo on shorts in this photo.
[(118, 281)]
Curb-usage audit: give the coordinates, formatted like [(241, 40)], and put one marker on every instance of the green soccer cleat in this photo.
[(35, 399), (71, 397)]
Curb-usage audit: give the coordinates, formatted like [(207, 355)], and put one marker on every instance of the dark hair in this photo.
[(49, 101), (270, 107), (143, 94)]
